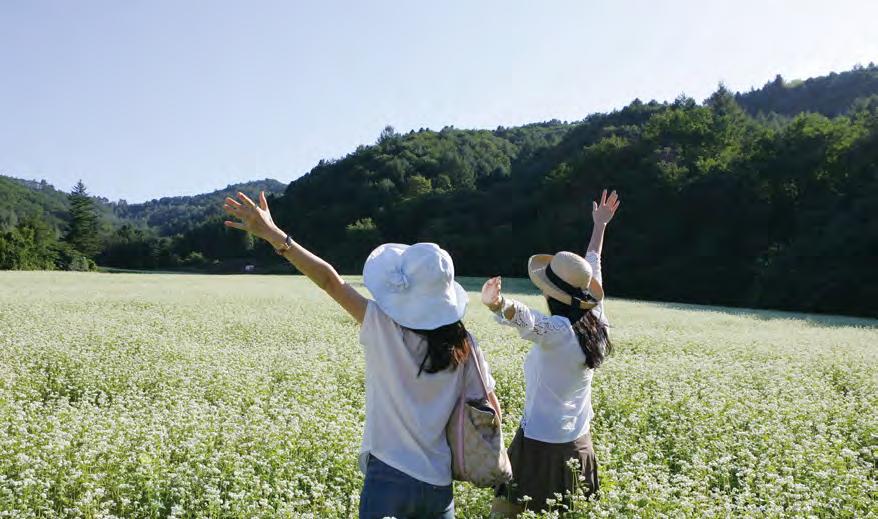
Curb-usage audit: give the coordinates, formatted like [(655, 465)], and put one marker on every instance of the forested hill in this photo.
[(830, 95), (719, 206), (172, 215), (26, 199), (22, 200), (43, 227), (723, 203)]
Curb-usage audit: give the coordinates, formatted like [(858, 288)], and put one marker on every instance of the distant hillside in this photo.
[(829, 95), (172, 215), (26, 199), (22, 199)]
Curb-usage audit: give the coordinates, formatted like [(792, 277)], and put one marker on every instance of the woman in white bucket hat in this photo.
[(415, 346), (568, 345)]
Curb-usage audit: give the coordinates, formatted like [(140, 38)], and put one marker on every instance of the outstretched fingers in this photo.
[(235, 225), (246, 199), (263, 203), (612, 199), (491, 291)]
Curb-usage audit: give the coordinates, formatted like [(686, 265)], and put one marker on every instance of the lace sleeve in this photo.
[(533, 325), (594, 259)]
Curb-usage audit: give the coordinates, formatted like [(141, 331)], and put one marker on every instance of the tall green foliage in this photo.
[(83, 230), (31, 245)]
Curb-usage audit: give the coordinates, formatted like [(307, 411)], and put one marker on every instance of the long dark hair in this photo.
[(447, 346), (591, 332)]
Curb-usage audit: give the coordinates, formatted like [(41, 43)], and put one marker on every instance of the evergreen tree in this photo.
[(83, 231)]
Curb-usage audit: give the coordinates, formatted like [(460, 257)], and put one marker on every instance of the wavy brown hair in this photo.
[(447, 346), (590, 331)]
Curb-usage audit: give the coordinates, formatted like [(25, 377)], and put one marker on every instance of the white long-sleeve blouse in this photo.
[(557, 406)]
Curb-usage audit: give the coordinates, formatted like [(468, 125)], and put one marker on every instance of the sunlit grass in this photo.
[(148, 396)]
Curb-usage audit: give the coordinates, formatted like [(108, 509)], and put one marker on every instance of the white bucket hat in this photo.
[(414, 285), (566, 277)]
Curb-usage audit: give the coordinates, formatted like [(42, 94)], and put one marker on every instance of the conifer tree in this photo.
[(83, 232)]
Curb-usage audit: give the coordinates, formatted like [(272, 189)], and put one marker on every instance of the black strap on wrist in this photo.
[(287, 245)]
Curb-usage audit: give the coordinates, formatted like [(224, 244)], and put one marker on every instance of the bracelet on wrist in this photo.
[(285, 246), (498, 306)]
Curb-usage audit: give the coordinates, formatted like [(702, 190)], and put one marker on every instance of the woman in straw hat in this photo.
[(569, 344), (415, 346)]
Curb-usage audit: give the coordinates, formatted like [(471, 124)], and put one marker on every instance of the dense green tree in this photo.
[(416, 186), (31, 245), (82, 233)]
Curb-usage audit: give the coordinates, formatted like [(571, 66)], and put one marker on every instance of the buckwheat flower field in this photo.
[(138, 395)]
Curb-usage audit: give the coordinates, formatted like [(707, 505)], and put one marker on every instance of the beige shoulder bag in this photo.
[(476, 438)]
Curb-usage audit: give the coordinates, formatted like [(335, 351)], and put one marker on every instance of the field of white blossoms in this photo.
[(135, 395)]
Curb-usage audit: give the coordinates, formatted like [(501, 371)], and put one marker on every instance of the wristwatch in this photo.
[(287, 245)]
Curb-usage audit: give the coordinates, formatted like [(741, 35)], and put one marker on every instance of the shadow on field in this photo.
[(524, 286), (113, 270), (510, 285), (838, 321)]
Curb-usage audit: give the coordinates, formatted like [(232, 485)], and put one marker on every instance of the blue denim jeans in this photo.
[(388, 492)]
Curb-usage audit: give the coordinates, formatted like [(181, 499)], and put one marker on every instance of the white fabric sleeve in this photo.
[(594, 259), (533, 325), (374, 320)]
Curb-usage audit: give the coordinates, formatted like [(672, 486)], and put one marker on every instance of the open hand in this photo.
[(491, 291), (602, 213), (255, 219)]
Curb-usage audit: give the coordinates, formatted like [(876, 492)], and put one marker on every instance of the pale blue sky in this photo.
[(143, 99)]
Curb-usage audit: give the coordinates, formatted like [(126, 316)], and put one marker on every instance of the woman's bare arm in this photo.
[(256, 219), (602, 214)]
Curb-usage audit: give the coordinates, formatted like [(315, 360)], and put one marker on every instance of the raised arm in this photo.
[(256, 219), (493, 299), (531, 324), (602, 214)]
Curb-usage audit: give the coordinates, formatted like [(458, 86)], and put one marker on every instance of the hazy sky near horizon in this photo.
[(150, 98)]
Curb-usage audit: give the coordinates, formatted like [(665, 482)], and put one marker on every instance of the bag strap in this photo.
[(457, 450), (475, 360)]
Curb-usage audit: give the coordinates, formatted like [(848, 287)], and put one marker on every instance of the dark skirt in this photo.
[(540, 470)]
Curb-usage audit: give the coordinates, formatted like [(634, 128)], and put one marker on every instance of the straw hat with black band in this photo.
[(566, 277)]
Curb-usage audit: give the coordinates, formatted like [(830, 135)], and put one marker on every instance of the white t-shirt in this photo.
[(406, 414), (557, 398)]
